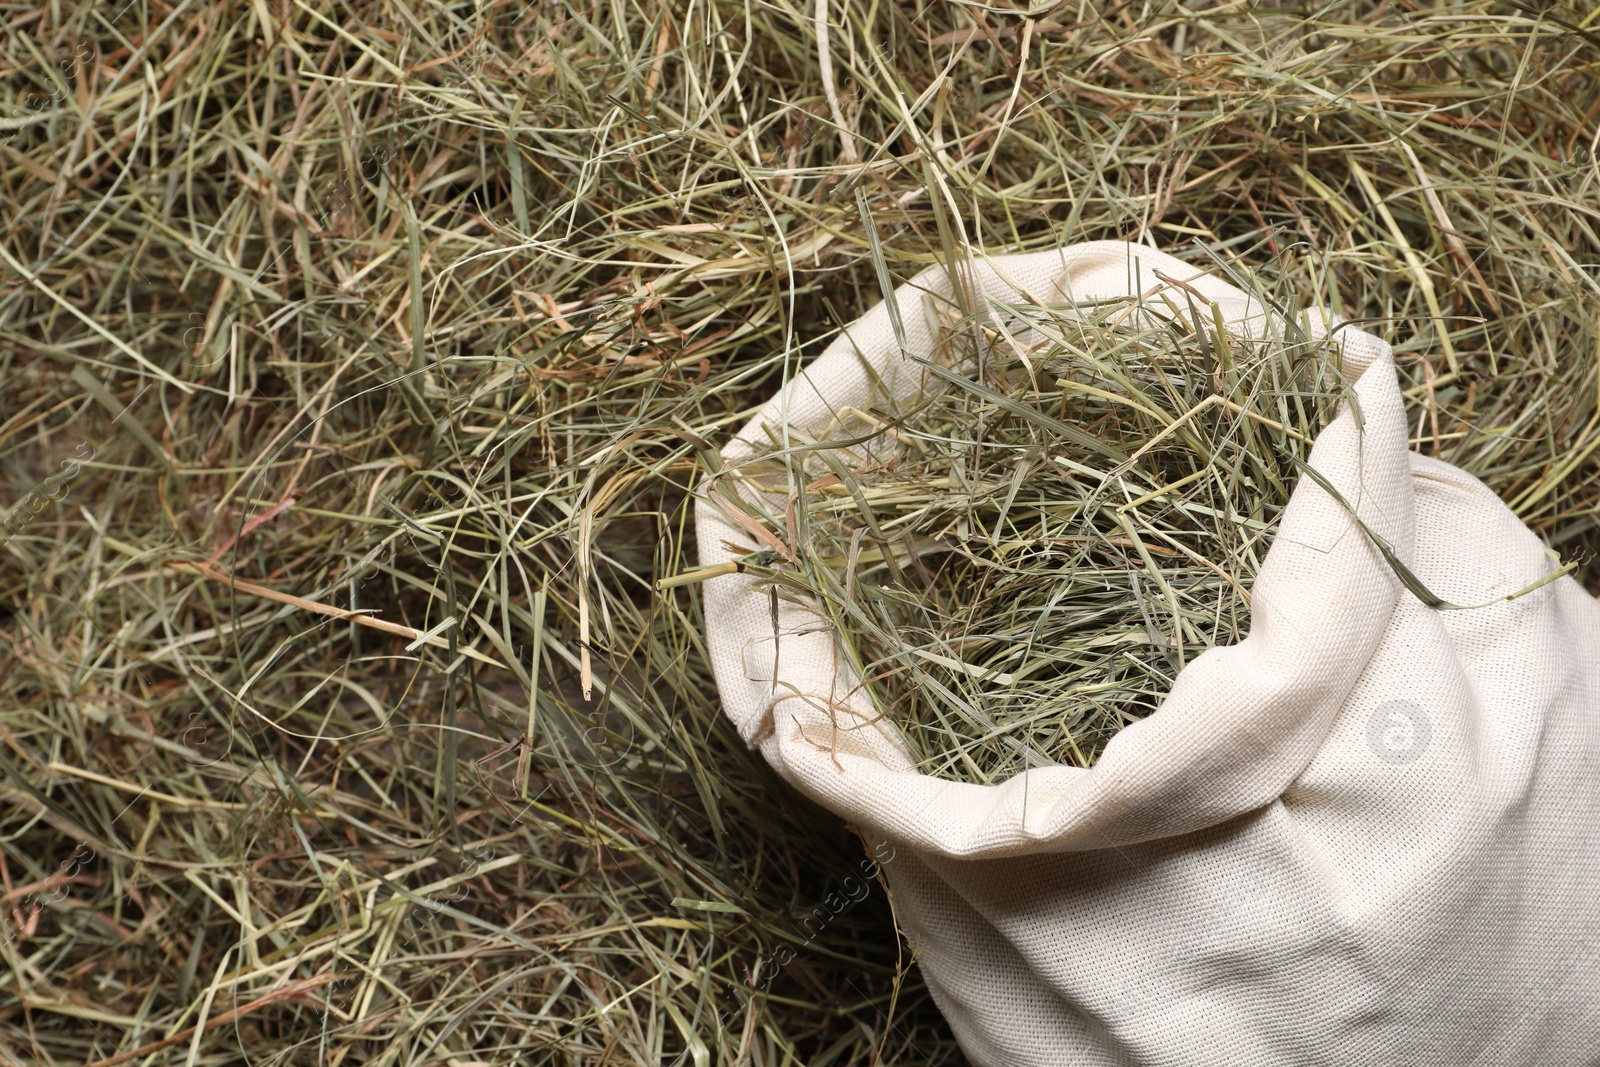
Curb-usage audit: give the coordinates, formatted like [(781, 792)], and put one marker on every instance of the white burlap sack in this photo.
[(1364, 835)]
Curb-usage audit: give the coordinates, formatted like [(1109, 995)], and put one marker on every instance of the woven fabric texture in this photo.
[(1367, 833)]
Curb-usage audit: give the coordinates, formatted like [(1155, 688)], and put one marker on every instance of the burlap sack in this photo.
[(1364, 835)]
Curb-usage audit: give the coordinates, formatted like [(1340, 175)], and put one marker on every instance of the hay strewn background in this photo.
[(428, 310)]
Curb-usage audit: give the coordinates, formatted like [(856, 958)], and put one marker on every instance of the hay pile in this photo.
[(423, 312)]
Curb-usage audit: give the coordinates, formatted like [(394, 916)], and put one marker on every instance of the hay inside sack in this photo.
[(1020, 560)]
